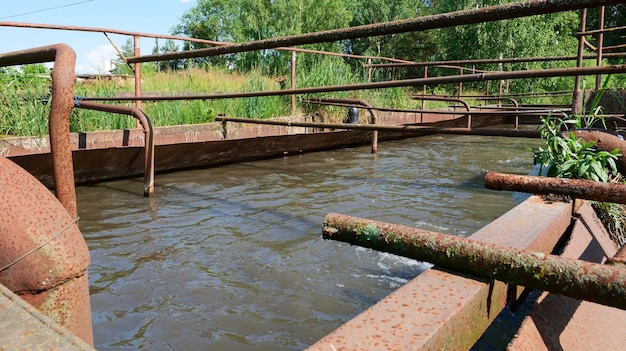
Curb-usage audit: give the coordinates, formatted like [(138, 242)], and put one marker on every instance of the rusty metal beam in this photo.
[(63, 80), (576, 188), (403, 129), (486, 14), (598, 283), (479, 77), (105, 30), (492, 61), (148, 171)]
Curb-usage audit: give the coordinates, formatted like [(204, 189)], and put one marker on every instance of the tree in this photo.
[(172, 65), (249, 20), (545, 35), (121, 67)]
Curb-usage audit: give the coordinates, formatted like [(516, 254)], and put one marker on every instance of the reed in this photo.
[(24, 110)]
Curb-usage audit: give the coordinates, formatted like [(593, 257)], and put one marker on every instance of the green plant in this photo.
[(566, 156)]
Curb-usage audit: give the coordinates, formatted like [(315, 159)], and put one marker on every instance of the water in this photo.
[(232, 257)]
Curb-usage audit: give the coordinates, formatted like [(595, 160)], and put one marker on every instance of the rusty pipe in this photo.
[(479, 77), (450, 99), (63, 80), (576, 188), (368, 107), (43, 255), (148, 168), (479, 15), (402, 129), (594, 282)]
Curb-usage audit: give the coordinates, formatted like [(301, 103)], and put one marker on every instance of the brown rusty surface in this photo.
[(31, 217), (563, 323), (576, 188), (439, 310), (571, 277), (144, 121), (477, 15), (63, 80), (25, 328)]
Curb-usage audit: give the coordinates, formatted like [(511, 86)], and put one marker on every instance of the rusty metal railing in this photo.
[(63, 80), (148, 173)]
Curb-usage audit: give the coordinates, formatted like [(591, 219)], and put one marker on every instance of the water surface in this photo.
[(232, 257)]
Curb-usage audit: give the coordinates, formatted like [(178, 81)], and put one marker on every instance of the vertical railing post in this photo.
[(460, 84), (600, 45), (577, 99), (137, 74), (293, 82)]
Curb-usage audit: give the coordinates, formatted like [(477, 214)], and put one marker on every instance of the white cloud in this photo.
[(98, 60)]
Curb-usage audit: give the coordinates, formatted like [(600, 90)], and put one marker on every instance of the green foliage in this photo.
[(536, 36), (24, 107), (566, 156), (249, 20)]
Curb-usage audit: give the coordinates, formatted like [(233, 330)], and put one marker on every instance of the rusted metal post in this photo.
[(144, 121), (577, 99), (424, 88), (598, 283), (576, 188), (137, 52), (600, 46), (293, 82), (460, 92), (63, 80)]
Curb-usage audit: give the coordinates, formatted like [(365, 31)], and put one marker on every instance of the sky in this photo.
[(93, 50)]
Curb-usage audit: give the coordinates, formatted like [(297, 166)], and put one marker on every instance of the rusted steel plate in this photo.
[(563, 323), (439, 310)]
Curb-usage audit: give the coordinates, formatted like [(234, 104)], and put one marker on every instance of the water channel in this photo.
[(232, 257)]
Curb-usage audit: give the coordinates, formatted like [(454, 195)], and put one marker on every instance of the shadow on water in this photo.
[(232, 257)]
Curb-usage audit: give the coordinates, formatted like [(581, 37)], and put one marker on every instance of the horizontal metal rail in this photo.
[(400, 129), (480, 15), (604, 284), (576, 188), (493, 61), (554, 72)]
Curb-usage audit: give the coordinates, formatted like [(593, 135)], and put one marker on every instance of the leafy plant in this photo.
[(566, 156)]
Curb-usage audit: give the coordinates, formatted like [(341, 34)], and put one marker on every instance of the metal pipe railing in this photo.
[(480, 15), (554, 72), (63, 80), (368, 107), (400, 129), (148, 170), (449, 99), (600, 283)]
